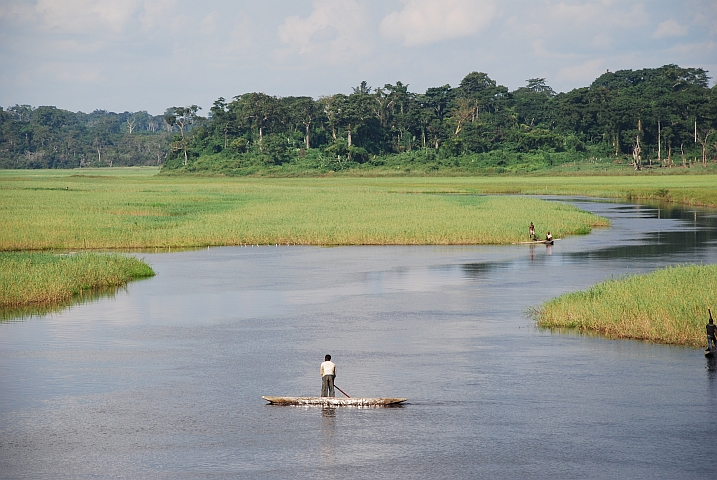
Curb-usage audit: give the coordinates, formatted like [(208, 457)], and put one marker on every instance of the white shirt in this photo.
[(328, 368)]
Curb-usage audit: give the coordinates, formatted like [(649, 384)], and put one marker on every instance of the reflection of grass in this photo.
[(32, 310), (51, 210), (31, 280), (666, 306)]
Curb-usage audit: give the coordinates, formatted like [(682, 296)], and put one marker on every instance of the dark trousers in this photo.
[(327, 386)]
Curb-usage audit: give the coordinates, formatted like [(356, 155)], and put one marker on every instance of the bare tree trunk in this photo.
[(348, 137), (704, 143), (669, 155), (616, 144), (659, 142), (636, 158)]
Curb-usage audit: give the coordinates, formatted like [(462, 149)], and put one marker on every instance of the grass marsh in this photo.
[(40, 279), (666, 306), (104, 209)]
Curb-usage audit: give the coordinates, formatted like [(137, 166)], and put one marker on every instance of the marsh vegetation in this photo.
[(46, 211), (44, 279), (666, 306)]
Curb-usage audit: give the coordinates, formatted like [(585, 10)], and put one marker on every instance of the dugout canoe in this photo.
[(538, 242), (335, 402)]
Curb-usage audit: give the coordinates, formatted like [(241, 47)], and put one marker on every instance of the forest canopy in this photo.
[(49, 137), (659, 116)]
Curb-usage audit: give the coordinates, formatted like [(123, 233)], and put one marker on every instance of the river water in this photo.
[(164, 379)]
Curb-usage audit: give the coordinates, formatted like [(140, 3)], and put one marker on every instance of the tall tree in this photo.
[(182, 117)]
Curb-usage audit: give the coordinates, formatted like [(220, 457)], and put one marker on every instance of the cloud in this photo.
[(16, 12), (336, 30), (691, 51), (422, 22), (582, 74), (83, 16), (603, 40), (155, 12), (73, 73), (73, 46), (208, 26), (670, 28), (600, 14), (87, 17)]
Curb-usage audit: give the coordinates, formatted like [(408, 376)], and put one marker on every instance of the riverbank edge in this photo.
[(667, 306), (44, 279)]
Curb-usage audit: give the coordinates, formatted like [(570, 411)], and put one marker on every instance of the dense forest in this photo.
[(49, 137), (657, 117)]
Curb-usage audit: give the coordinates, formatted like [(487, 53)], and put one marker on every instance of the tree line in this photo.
[(49, 137), (657, 116)]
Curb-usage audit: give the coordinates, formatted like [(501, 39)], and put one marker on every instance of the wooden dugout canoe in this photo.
[(537, 242), (335, 402)]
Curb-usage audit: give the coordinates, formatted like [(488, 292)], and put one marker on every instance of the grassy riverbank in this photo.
[(42, 279), (666, 306), (104, 209)]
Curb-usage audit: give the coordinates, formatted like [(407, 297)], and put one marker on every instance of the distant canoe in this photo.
[(538, 242), (335, 402)]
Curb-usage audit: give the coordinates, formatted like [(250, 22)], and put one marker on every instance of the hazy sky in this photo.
[(133, 55)]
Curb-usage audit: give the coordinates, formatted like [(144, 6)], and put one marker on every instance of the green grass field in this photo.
[(106, 209), (666, 306), (41, 279)]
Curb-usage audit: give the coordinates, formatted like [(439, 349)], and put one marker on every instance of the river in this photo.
[(164, 378)]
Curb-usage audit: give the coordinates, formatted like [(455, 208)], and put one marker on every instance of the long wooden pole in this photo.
[(337, 388)]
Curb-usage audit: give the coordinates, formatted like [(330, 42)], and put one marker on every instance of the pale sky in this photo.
[(134, 55)]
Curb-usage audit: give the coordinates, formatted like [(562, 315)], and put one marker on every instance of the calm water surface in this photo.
[(164, 379)]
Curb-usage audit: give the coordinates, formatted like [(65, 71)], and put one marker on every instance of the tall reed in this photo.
[(46, 278), (666, 306)]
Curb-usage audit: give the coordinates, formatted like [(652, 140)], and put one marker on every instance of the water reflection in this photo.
[(86, 296), (328, 428), (664, 230)]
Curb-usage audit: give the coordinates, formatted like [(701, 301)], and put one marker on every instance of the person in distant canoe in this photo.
[(532, 231), (711, 341), (548, 237), (328, 373)]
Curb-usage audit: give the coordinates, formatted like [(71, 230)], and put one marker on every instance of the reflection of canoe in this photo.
[(334, 402)]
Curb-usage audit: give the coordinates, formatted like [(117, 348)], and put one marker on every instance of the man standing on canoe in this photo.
[(328, 373), (711, 339)]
